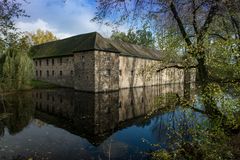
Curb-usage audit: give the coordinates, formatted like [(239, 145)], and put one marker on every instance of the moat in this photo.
[(66, 124)]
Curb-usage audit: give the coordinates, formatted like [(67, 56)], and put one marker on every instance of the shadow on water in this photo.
[(64, 123)]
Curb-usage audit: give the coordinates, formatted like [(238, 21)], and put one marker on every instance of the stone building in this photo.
[(89, 62)]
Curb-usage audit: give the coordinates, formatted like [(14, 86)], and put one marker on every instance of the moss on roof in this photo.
[(91, 41)]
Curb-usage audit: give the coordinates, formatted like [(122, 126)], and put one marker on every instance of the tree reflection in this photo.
[(20, 111), (209, 137)]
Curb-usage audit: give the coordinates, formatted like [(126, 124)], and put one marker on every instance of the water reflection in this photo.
[(20, 110), (113, 122)]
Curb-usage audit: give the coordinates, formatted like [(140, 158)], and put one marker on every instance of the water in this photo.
[(66, 124)]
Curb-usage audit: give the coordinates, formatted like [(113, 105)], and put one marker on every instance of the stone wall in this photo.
[(99, 71), (55, 70), (136, 72), (84, 64), (106, 71)]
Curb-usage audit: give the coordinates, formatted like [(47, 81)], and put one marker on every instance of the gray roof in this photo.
[(91, 41)]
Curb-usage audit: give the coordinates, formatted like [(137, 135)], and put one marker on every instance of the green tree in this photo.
[(142, 37), (18, 66), (194, 21)]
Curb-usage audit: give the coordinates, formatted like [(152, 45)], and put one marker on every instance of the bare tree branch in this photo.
[(180, 24)]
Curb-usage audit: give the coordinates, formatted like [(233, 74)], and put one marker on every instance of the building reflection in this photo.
[(89, 115), (97, 116)]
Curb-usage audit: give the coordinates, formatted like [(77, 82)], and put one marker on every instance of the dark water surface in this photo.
[(64, 124)]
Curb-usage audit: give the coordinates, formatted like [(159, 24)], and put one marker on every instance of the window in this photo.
[(108, 72), (53, 62), (37, 73), (83, 59), (47, 62), (60, 61), (47, 73), (48, 96), (132, 72), (131, 101), (40, 73), (120, 72), (71, 72), (52, 73), (36, 63), (60, 73), (40, 62)]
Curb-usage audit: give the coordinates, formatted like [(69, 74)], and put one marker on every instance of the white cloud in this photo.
[(40, 24), (63, 19)]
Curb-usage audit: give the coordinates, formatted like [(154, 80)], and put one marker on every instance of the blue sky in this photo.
[(63, 19)]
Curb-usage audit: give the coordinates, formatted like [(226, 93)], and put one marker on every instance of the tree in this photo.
[(16, 66), (142, 37), (41, 37), (9, 11), (192, 19)]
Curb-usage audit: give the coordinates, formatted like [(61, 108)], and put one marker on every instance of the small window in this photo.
[(132, 72), (36, 63), (120, 72), (37, 73), (131, 101), (40, 62), (60, 61), (108, 72), (83, 58), (47, 62), (60, 73), (71, 72), (53, 62), (40, 95), (52, 73), (53, 98), (40, 73), (47, 73)]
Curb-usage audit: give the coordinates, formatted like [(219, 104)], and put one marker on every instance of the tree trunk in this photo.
[(202, 70)]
